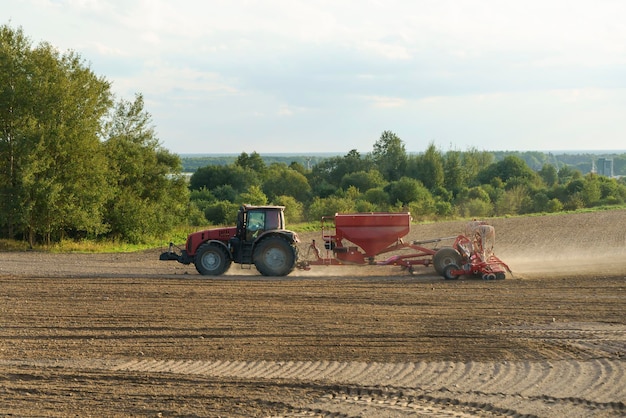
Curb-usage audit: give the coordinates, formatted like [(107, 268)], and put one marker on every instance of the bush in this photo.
[(329, 206), (294, 210), (475, 208), (554, 205), (444, 209), (222, 213)]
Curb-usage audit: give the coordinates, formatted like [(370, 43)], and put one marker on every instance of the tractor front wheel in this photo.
[(212, 259), (275, 256), (444, 257)]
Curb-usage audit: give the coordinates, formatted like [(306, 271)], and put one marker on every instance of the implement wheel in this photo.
[(447, 272), (212, 259), (275, 256), (444, 257)]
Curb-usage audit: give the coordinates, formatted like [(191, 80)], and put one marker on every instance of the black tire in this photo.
[(444, 257), (212, 259), (275, 256), (447, 272)]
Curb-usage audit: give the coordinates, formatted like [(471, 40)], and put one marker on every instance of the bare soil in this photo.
[(128, 335)]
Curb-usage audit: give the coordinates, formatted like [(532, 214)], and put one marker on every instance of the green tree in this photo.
[(407, 190), (549, 175), (332, 170), (363, 180), (281, 180), (591, 192), (513, 201), (613, 192), (150, 194), (566, 174), (329, 206), (510, 167), (16, 100), (253, 196), (213, 176), (253, 162), (294, 210), (474, 162), (390, 156), (221, 213), (428, 167), (52, 110), (379, 197), (454, 178), (475, 208)]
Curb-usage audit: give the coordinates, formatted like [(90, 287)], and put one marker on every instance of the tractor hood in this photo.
[(221, 234)]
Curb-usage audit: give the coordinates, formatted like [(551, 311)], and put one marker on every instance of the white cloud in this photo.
[(489, 73)]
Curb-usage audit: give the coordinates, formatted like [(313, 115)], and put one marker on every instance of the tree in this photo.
[(52, 109), (512, 201), (510, 167), (15, 102), (429, 167), (363, 180), (150, 195), (591, 192), (329, 206), (474, 162), (332, 170), (379, 197), (253, 162), (406, 190), (390, 156), (294, 210), (454, 179), (566, 173), (549, 175), (234, 175), (281, 180), (253, 196)]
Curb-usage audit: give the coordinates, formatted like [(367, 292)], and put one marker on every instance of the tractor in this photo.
[(259, 239)]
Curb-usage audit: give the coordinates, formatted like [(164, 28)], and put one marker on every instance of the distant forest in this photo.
[(583, 161)]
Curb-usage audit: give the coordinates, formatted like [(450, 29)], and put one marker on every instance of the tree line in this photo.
[(581, 161), (431, 185), (76, 162)]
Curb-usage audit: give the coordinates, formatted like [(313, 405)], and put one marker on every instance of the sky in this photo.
[(313, 76)]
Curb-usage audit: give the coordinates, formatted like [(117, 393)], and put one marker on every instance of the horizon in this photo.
[(289, 154)]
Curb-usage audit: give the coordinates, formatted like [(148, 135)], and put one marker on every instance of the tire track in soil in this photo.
[(574, 386), (429, 389)]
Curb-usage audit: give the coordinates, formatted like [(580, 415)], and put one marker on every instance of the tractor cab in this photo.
[(253, 221)]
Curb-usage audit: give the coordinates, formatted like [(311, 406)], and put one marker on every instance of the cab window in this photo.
[(256, 224)]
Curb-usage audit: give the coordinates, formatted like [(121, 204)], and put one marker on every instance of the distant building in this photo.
[(604, 167)]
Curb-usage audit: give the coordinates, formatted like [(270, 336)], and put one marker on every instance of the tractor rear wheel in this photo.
[(212, 259), (444, 257), (275, 256)]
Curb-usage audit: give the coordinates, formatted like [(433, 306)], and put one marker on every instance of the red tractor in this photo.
[(259, 238)]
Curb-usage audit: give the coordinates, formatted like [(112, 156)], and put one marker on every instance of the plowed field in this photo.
[(128, 335)]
